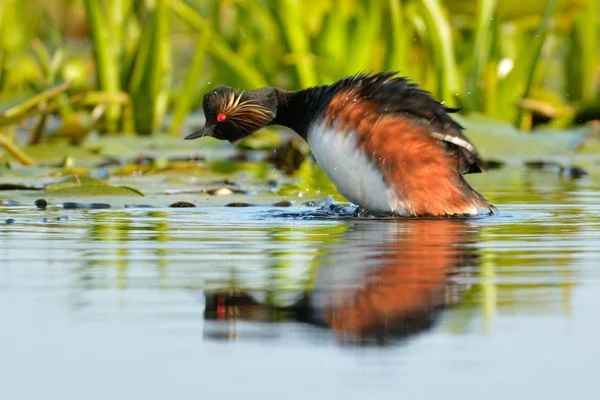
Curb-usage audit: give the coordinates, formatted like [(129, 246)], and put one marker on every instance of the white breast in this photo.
[(354, 175)]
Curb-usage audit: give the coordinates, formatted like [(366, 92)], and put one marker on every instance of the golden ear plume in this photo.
[(244, 114)]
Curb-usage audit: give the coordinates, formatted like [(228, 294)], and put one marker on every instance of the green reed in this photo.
[(482, 48), (105, 38), (457, 50), (581, 65), (519, 82)]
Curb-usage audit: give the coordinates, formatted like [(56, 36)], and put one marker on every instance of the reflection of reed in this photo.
[(382, 280), (125, 233)]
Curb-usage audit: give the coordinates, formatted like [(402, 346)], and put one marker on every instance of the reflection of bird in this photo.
[(385, 144), (382, 280), (394, 283)]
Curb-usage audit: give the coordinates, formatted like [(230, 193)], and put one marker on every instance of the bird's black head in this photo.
[(232, 115)]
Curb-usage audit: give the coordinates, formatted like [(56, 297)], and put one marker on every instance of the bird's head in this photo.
[(232, 115)]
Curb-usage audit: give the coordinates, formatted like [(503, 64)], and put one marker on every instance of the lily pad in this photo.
[(504, 142), (86, 186), (55, 154), (97, 190), (75, 181), (17, 186), (118, 147)]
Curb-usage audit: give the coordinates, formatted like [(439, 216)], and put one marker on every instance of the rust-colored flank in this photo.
[(424, 172)]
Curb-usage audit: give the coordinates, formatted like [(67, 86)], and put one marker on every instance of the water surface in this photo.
[(264, 302)]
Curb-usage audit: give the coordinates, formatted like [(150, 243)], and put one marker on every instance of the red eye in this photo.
[(221, 117)]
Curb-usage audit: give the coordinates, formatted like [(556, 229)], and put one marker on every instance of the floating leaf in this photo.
[(96, 190), (17, 186), (55, 154), (86, 186), (503, 141), (175, 166), (75, 181)]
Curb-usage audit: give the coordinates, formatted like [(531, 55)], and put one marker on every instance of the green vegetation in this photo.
[(141, 66)]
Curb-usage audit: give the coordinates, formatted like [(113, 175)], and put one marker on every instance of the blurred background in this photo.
[(128, 255), (142, 66)]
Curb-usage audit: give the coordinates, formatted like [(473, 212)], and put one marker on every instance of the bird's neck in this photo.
[(297, 110)]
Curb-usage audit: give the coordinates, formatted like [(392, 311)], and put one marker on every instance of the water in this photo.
[(268, 303)]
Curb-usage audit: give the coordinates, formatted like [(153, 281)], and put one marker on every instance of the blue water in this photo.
[(220, 302)]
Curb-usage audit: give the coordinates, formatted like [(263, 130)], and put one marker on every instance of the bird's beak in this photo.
[(206, 131)]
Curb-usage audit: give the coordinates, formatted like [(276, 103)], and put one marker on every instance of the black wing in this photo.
[(397, 95)]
